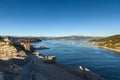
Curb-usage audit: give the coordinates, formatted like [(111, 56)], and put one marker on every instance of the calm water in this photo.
[(104, 62)]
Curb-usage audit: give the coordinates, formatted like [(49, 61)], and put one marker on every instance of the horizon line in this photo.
[(58, 36)]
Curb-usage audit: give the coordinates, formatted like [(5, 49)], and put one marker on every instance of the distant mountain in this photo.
[(32, 39), (45, 38), (112, 42), (74, 38)]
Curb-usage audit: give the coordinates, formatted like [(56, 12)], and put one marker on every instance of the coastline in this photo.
[(104, 47), (36, 65), (81, 73), (115, 50)]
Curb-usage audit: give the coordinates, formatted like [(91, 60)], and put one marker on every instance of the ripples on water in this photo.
[(104, 62)]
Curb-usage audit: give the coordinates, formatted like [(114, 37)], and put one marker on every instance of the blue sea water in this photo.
[(75, 53)]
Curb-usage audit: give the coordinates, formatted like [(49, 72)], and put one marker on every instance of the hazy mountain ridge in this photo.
[(74, 38), (23, 39), (32, 39)]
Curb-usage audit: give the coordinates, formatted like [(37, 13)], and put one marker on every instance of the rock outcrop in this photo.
[(8, 51)]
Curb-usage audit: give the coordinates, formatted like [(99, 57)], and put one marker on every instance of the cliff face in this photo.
[(8, 51)]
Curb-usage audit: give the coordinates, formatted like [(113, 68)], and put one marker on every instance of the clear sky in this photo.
[(59, 17)]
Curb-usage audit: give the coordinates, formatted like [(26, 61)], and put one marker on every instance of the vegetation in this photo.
[(17, 46), (28, 39), (1, 39), (109, 42)]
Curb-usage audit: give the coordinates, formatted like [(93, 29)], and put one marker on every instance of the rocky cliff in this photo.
[(8, 51)]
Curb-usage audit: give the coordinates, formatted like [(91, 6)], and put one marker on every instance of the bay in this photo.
[(75, 53)]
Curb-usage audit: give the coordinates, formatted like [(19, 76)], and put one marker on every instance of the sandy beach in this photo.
[(116, 50)]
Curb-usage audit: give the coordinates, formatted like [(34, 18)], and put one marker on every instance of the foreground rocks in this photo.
[(59, 71), (13, 69), (2, 76), (38, 69)]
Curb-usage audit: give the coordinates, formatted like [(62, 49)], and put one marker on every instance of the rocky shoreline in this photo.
[(81, 72)]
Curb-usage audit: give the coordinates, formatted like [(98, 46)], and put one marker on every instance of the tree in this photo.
[(1, 38)]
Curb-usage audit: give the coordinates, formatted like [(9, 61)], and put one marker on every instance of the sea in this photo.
[(77, 53)]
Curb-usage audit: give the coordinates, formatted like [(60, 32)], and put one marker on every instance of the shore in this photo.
[(56, 71), (111, 49), (115, 50)]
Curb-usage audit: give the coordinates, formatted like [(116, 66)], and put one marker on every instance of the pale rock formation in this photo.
[(80, 67), (7, 51), (86, 69)]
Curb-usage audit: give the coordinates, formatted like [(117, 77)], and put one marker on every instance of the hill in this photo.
[(28, 39), (74, 38), (112, 42)]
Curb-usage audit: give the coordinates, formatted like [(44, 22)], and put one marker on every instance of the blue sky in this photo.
[(59, 17)]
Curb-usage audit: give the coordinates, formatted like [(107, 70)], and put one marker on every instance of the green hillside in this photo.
[(109, 42)]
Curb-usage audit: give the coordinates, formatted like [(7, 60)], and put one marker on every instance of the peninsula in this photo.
[(19, 61), (110, 43)]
